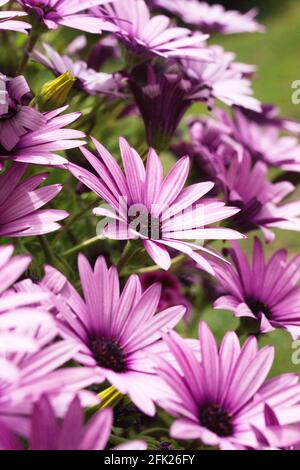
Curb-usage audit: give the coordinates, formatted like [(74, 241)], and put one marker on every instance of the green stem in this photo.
[(31, 42), (128, 253), (79, 247), (175, 261), (73, 219)]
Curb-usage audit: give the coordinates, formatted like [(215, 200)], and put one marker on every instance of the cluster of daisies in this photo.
[(89, 354)]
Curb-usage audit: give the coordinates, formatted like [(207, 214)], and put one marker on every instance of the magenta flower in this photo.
[(72, 433), (16, 118), (222, 79), (152, 36), (70, 13), (159, 211), (40, 146), (88, 80), (114, 332), (211, 18), (21, 202), (246, 186), (7, 20), (218, 399), (263, 291)]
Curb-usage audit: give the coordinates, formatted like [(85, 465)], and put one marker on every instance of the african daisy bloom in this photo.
[(21, 201), (211, 18), (7, 20), (159, 211), (16, 117), (72, 433), (150, 36), (114, 331), (87, 79), (218, 399), (267, 292), (41, 146), (261, 201), (70, 13)]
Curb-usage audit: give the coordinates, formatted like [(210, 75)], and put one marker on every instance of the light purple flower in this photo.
[(152, 36), (265, 291), (70, 13), (89, 80), (114, 331), (16, 117), (220, 79), (40, 146), (159, 211), (218, 399), (21, 201), (261, 201), (72, 433), (7, 20), (211, 18)]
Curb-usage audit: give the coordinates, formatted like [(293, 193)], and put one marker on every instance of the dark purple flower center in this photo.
[(257, 307), (216, 419), (108, 354), (146, 225)]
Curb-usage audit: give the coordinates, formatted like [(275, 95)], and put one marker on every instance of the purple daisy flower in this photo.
[(87, 79), (218, 399), (71, 433), (21, 202), (152, 36), (159, 211), (40, 146), (266, 292), (261, 201), (70, 13), (211, 18), (7, 20), (114, 331), (16, 117)]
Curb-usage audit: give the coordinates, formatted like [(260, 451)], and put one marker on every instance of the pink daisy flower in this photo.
[(7, 20), (71, 433), (114, 331), (218, 399), (21, 202), (158, 210)]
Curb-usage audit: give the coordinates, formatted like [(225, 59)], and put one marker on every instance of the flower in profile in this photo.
[(246, 186), (211, 18), (54, 13), (159, 211), (114, 331), (87, 79), (7, 20), (265, 291), (71, 433), (21, 202), (16, 117), (221, 79), (220, 397), (152, 36), (41, 146)]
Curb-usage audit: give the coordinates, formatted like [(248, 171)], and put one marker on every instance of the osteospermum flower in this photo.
[(87, 79), (7, 20), (152, 36), (267, 292), (261, 201), (114, 331), (211, 18), (157, 210), (40, 146), (16, 117), (70, 13), (71, 433), (221, 79), (21, 201), (218, 399)]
